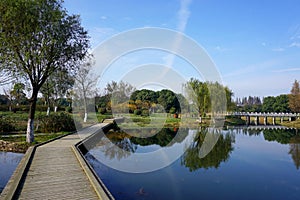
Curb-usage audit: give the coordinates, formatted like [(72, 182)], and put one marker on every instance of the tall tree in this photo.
[(56, 87), (208, 97), (198, 94), (119, 92), (294, 97), (37, 38), (85, 86)]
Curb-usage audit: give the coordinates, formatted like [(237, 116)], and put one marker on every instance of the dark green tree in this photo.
[(37, 38), (268, 103), (168, 99), (276, 104), (281, 104)]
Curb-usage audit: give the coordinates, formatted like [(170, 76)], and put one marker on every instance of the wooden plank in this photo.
[(56, 171)]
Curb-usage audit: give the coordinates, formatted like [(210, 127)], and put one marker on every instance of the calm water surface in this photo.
[(244, 164), (8, 163)]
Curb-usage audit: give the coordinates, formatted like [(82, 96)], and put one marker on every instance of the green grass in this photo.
[(234, 121), (292, 124), (21, 145), (39, 138)]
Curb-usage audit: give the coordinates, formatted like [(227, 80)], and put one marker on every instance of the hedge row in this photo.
[(25, 108), (55, 122)]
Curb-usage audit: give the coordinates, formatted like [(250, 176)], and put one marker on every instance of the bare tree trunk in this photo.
[(48, 111), (55, 109), (85, 109), (48, 103), (85, 117), (30, 124)]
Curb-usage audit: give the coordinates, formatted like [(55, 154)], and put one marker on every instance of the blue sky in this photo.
[(254, 44)]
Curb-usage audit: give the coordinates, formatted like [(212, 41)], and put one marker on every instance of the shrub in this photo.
[(102, 110), (137, 112), (6, 125), (57, 122), (145, 113), (172, 110), (68, 109)]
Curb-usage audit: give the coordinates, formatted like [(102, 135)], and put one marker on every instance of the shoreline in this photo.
[(21, 147), (14, 147)]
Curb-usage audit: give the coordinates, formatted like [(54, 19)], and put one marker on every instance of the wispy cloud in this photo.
[(287, 70), (98, 34), (103, 17), (295, 32), (278, 49), (295, 36), (221, 49), (246, 70), (295, 44), (183, 15)]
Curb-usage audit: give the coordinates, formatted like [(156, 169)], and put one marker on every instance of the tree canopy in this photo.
[(39, 37), (207, 97)]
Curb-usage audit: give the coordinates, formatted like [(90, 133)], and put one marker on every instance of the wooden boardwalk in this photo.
[(57, 171)]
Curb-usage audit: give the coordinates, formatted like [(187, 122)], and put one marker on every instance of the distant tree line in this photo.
[(282, 103), (14, 99), (122, 97), (200, 97)]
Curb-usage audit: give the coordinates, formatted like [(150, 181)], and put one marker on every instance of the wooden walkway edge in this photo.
[(57, 170)]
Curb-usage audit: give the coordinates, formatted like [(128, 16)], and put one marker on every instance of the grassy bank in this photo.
[(292, 124), (17, 143), (234, 121)]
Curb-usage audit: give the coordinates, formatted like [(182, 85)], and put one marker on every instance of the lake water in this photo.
[(244, 164), (8, 163)]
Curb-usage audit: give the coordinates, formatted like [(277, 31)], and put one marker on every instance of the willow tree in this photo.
[(38, 37)]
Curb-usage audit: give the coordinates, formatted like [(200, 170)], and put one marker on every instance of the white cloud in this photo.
[(221, 49), (278, 49), (287, 70), (295, 44), (295, 32), (183, 17), (183, 14), (103, 17)]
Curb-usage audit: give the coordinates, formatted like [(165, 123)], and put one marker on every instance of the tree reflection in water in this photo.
[(290, 137), (295, 150), (220, 152), (121, 144)]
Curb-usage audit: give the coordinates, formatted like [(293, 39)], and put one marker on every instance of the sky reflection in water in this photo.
[(244, 164)]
